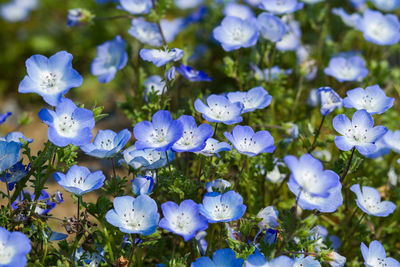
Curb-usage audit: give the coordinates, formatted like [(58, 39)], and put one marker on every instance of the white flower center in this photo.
[(153, 156), (372, 205), (357, 134), (134, 220), (107, 144), (182, 223), (50, 81), (377, 262), (219, 111), (308, 180), (80, 182), (6, 253), (247, 144), (159, 136), (222, 211), (187, 138), (66, 126), (237, 35)]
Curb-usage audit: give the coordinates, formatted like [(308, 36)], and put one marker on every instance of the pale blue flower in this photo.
[(291, 40), (187, 4), (271, 27), (218, 185), (386, 5), (9, 154), (373, 99), (269, 216), (145, 32), (308, 261), (369, 201), (171, 28), (161, 57), (15, 246), (238, 10), (347, 67), (213, 147), (146, 159), (258, 260), (375, 255), (142, 185), (280, 7), (16, 137), (136, 7), (329, 100), (392, 140), (348, 19), (221, 258), (134, 215), (193, 75), (17, 10), (154, 84), (255, 98)]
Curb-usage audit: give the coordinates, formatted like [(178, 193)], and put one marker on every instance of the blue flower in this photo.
[(346, 67), (142, 185), (154, 83), (308, 261), (348, 19), (160, 134), (50, 78), (187, 4), (213, 147), (146, 159), (193, 138), (255, 98), (136, 7), (222, 208), (392, 140), (15, 247), (218, 185), (271, 27), (312, 1), (291, 40), (4, 117), (238, 10), (15, 137), (17, 10), (134, 216), (358, 133), (170, 74), (375, 255), (58, 197), (192, 74), (171, 28), (279, 7), (382, 148), (257, 260), (107, 143), (44, 205), (369, 201), (329, 100), (264, 75), (15, 174), (234, 33), (183, 220), (308, 174), (373, 99), (68, 124), (220, 109), (269, 216), (77, 16), (201, 242), (79, 180), (249, 143), (9, 154), (378, 28), (223, 257), (146, 32), (111, 57), (161, 57), (386, 5), (94, 258)]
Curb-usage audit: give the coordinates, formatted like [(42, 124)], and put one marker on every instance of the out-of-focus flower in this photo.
[(347, 67), (220, 109)]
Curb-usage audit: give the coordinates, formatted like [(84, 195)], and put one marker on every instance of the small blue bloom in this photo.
[(68, 124), (111, 57), (255, 98), (4, 117), (154, 84), (378, 28), (146, 159), (234, 33), (136, 7), (142, 185), (92, 259), (171, 28), (170, 74), (15, 137), (386, 5), (201, 242), (193, 138), (79, 180), (193, 75), (134, 215), (15, 247), (271, 27), (223, 257), (220, 109), (218, 185), (392, 140), (146, 32), (238, 10), (9, 155), (249, 143), (187, 4), (44, 205), (17, 10), (346, 67), (269, 216), (264, 75), (375, 255), (50, 78), (213, 147), (77, 16), (373, 99), (308, 261), (161, 57), (280, 7), (308, 173), (196, 16), (382, 148), (160, 134), (359, 133), (348, 19), (222, 208), (369, 201), (257, 260), (59, 197), (329, 100), (183, 220), (15, 174), (270, 237), (291, 40), (312, 1), (107, 143)]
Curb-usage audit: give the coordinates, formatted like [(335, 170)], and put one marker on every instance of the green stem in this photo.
[(110, 250), (313, 146), (8, 191), (169, 164), (113, 166), (215, 129), (159, 26), (348, 166)]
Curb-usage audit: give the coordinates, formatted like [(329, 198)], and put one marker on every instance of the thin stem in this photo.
[(8, 191), (201, 168), (78, 209), (299, 90), (131, 256), (238, 71), (169, 164), (303, 253), (271, 62), (311, 149), (215, 129), (113, 166), (159, 26), (241, 170), (114, 17), (348, 165)]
